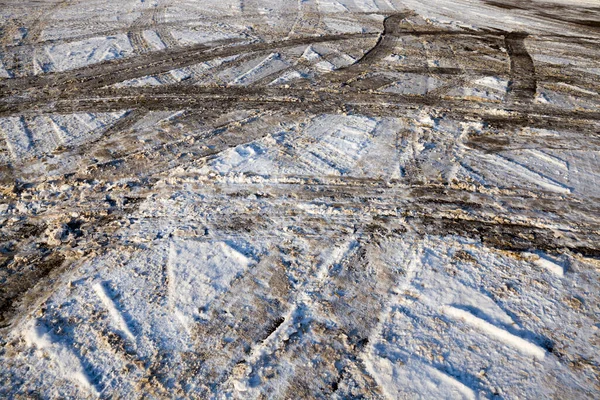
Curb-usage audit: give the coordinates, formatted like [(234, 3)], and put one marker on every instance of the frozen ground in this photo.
[(300, 199)]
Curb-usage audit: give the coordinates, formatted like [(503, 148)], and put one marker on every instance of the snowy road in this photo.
[(300, 199)]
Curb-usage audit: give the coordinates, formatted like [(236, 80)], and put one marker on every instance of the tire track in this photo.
[(426, 209), (111, 72), (34, 33), (354, 313), (180, 97), (162, 28), (250, 345), (181, 57), (393, 28), (242, 331), (135, 34), (162, 25), (160, 62), (586, 40), (309, 20), (523, 84), (499, 235), (24, 50), (295, 321)]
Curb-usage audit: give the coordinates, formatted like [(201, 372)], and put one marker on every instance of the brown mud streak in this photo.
[(21, 282), (385, 43), (564, 13), (32, 271), (505, 236), (179, 97), (523, 84)]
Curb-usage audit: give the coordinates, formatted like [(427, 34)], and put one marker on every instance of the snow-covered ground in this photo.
[(300, 199)]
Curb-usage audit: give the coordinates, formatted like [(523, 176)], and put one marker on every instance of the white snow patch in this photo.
[(67, 56), (114, 313), (271, 64), (546, 263), (153, 39), (310, 54), (325, 66), (199, 271), (415, 379), (3, 72), (287, 77), (197, 35), (411, 83), (139, 82), (527, 173), (497, 333), (492, 82), (69, 365), (180, 74), (331, 6)]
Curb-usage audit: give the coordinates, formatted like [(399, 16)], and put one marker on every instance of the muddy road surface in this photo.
[(300, 199)]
